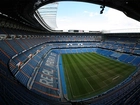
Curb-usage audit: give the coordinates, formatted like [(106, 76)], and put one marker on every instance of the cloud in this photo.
[(90, 14), (118, 20), (110, 19)]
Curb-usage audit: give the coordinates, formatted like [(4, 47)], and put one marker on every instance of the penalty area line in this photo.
[(90, 85)]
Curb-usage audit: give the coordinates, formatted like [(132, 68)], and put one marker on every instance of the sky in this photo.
[(86, 16)]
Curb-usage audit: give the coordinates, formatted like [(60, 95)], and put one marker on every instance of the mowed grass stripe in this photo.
[(93, 72), (86, 61), (90, 69), (114, 67), (111, 64), (81, 64), (103, 78), (83, 71), (82, 81), (77, 74), (69, 77), (97, 73), (97, 69), (93, 82), (73, 75)]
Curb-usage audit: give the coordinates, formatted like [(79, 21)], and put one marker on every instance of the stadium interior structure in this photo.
[(30, 49)]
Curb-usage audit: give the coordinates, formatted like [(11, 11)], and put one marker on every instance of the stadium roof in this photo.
[(24, 10), (48, 13)]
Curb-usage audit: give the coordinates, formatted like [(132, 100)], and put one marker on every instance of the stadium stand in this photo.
[(31, 71), (32, 62)]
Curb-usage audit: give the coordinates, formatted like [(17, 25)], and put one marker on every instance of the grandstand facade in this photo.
[(30, 63)]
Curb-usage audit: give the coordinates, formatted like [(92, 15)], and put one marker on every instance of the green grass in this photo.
[(89, 74)]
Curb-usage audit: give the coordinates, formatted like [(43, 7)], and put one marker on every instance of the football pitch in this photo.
[(89, 74)]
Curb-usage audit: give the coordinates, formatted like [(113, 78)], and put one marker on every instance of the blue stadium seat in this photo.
[(22, 78), (136, 61), (123, 57), (27, 69), (129, 59)]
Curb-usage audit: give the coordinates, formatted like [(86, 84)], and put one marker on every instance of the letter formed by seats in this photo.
[(46, 80)]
